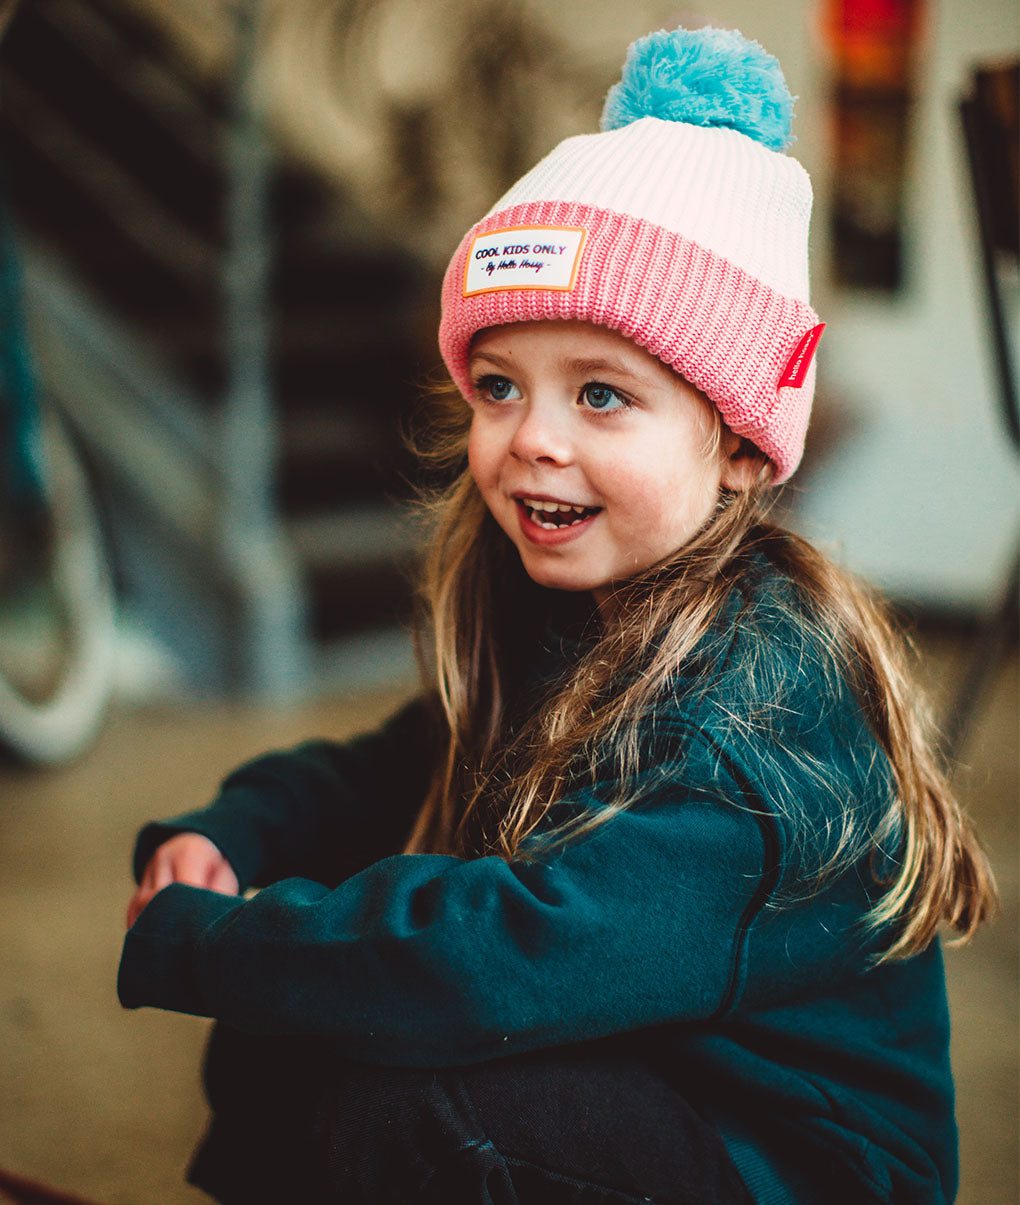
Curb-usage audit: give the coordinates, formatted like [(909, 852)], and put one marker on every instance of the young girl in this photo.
[(639, 901)]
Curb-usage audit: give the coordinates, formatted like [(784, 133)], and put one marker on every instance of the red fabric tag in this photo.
[(799, 363)]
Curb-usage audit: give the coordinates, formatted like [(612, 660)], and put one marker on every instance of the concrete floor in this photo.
[(106, 1103)]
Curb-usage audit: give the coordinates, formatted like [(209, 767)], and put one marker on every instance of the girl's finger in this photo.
[(196, 860), (136, 904), (223, 879), (158, 874), (158, 880)]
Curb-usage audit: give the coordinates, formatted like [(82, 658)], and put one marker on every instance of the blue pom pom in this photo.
[(705, 77)]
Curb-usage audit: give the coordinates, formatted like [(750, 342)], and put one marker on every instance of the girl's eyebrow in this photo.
[(585, 367), (582, 366), (492, 358)]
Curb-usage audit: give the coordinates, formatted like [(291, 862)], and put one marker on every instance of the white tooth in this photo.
[(540, 505), (550, 526)]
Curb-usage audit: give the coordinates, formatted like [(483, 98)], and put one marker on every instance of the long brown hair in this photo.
[(496, 783)]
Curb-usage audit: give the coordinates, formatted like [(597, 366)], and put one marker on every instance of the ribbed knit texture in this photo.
[(714, 186)]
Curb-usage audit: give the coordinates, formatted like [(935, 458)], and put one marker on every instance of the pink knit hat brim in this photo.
[(729, 334)]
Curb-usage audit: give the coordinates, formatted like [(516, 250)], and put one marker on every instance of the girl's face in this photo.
[(595, 458)]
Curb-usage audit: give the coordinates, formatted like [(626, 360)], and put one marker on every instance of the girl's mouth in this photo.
[(552, 516)]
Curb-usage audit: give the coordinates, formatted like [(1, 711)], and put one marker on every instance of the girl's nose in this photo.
[(541, 436)]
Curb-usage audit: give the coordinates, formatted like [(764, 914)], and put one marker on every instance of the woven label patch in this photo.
[(524, 257), (796, 369)]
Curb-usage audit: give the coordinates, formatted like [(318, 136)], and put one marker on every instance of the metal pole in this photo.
[(271, 645)]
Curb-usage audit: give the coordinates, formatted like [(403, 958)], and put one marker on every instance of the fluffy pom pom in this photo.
[(705, 77)]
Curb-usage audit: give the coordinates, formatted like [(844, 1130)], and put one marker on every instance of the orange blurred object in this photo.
[(874, 41)]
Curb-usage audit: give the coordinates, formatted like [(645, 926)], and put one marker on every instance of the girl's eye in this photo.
[(497, 389), (602, 397)]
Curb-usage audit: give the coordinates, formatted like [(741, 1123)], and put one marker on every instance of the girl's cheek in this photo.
[(481, 464), (474, 454)]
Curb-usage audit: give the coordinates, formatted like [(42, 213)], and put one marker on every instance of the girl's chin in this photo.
[(552, 578)]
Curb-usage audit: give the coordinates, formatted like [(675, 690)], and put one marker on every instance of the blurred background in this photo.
[(222, 231)]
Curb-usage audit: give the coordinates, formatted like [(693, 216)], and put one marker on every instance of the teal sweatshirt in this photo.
[(693, 929)]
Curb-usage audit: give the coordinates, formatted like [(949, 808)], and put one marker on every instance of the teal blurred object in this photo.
[(57, 605)]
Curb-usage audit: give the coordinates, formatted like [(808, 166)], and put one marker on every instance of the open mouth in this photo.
[(554, 515)]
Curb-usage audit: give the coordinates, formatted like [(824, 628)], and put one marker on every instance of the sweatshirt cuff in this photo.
[(159, 964)]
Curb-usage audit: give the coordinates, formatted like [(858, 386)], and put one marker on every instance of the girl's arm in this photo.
[(434, 960), (321, 811)]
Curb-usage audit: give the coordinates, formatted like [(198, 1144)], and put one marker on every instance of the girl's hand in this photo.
[(186, 858)]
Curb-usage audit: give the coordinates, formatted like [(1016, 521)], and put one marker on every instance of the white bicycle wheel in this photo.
[(57, 617)]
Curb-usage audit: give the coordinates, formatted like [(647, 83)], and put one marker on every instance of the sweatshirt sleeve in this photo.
[(322, 810), (430, 960)]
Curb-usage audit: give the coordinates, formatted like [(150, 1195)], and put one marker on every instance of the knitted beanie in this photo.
[(682, 225)]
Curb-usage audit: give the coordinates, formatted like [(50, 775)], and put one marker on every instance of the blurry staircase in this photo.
[(234, 345)]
